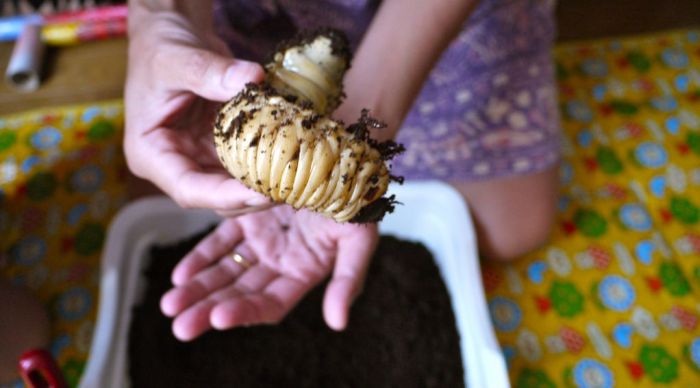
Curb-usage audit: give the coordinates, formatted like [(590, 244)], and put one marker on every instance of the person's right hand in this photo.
[(179, 71)]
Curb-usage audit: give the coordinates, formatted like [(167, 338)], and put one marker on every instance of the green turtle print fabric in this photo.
[(614, 299), (62, 178)]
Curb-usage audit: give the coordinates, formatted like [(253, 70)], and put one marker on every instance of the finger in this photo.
[(200, 286), (252, 281), (184, 180), (207, 74), (214, 191), (348, 277), (249, 285), (212, 248), (269, 306), (192, 188), (194, 321), (243, 211)]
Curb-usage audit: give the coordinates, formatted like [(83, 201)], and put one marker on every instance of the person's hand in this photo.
[(178, 72), (285, 254)]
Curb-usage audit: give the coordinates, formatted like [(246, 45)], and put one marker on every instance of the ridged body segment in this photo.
[(278, 139), (295, 156)]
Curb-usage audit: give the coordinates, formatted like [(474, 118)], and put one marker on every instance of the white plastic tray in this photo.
[(432, 213)]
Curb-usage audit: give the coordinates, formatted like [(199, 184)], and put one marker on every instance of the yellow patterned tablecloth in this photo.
[(613, 300), (62, 178)]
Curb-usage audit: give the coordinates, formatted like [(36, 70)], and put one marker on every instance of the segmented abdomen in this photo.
[(298, 157)]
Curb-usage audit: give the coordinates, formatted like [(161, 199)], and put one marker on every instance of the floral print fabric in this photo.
[(488, 108), (614, 298), (62, 179)]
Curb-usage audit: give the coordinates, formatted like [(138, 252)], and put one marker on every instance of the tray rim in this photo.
[(482, 358)]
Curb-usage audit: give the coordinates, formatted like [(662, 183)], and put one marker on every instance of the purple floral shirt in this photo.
[(487, 110)]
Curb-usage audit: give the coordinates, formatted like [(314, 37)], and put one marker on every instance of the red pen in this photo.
[(39, 370), (88, 15), (71, 33), (11, 27)]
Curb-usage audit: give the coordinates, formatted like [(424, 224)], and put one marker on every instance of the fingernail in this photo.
[(232, 77), (238, 74)]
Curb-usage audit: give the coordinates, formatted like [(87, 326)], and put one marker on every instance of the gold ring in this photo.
[(240, 260)]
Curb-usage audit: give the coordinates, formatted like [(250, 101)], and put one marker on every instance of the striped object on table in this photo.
[(47, 7)]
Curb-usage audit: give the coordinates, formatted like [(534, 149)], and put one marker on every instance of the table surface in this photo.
[(87, 72)]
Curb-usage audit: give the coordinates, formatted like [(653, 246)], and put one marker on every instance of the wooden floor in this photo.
[(588, 19), (96, 71), (88, 72)]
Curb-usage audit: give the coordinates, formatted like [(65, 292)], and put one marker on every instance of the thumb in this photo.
[(210, 75)]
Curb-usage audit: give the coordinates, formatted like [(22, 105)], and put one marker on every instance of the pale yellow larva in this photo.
[(277, 138)]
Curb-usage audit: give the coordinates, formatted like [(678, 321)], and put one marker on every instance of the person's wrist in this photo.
[(198, 14)]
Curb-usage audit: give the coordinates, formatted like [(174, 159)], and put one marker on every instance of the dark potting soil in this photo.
[(401, 333)]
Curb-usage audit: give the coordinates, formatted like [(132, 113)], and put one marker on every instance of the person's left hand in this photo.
[(286, 254)]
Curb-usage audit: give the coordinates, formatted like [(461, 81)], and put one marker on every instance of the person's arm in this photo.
[(403, 43), (198, 11)]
